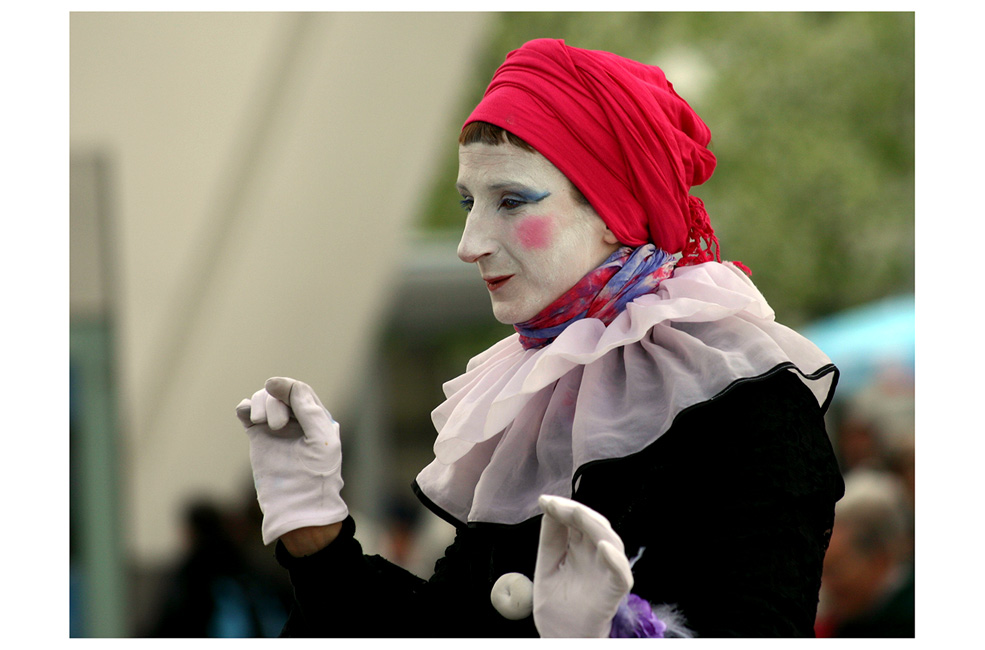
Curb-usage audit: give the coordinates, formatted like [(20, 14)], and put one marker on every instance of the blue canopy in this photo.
[(866, 340)]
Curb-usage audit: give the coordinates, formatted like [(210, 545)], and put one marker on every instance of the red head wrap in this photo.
[(619, 132)]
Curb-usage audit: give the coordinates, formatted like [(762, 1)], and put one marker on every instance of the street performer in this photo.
[(645, 456)]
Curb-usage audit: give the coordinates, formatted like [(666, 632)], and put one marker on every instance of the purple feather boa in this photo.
[(635, 619)]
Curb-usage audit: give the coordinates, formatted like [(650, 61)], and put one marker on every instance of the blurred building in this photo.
[(242, 189)]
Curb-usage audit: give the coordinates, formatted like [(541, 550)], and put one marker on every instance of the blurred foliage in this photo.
[(812, 120)]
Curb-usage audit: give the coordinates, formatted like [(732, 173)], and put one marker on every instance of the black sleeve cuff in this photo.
[(339, 547)]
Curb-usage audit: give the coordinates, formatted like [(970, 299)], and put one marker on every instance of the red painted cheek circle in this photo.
[(535, 232)]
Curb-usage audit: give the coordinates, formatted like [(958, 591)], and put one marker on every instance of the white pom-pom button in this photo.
[(513, 596)]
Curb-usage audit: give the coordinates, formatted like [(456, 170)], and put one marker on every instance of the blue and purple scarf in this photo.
[(603, 293)]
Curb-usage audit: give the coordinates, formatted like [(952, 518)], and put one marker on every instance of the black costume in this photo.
[(734, 506)]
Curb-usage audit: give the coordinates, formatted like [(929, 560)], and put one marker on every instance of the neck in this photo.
[(603, 293)]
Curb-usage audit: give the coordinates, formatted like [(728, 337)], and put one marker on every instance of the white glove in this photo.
[(297, 461), (582, 573)]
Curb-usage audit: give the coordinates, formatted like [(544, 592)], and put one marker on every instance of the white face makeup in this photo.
[(528, 233)]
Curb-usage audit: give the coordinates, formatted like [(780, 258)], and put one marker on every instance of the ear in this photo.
[(609, 238)]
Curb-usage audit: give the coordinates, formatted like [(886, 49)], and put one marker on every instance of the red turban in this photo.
[(619, 132)]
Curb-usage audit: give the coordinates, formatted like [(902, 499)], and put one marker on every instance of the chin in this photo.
[(506, 319), (510, 314)]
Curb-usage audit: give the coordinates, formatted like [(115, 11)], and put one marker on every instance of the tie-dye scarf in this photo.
[(603, 294)]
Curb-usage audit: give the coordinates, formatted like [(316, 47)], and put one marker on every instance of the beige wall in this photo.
[(263, 170)]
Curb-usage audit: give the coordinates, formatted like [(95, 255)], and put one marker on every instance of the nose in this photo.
[(476, 241)]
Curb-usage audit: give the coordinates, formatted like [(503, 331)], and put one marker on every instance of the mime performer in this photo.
[(645, 456)]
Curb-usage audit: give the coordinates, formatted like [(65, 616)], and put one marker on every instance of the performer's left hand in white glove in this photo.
[(582, 573)]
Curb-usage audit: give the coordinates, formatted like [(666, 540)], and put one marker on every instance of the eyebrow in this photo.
[(517, 186)]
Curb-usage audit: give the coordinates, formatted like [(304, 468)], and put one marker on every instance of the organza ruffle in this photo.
[(519, 423)]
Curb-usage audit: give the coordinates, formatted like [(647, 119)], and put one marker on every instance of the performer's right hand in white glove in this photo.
[(296, 455)]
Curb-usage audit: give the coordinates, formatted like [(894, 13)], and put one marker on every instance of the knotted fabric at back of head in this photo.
[(618, 130)]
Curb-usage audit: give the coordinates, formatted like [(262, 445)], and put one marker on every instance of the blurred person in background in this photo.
[(877, 426), (867, 587), (878, 431), (645, 457), (216, 591)]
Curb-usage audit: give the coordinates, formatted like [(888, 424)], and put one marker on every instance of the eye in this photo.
[(515, 200), (466, 203)]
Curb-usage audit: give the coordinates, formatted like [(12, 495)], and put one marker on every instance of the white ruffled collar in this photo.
[(520, 422)]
